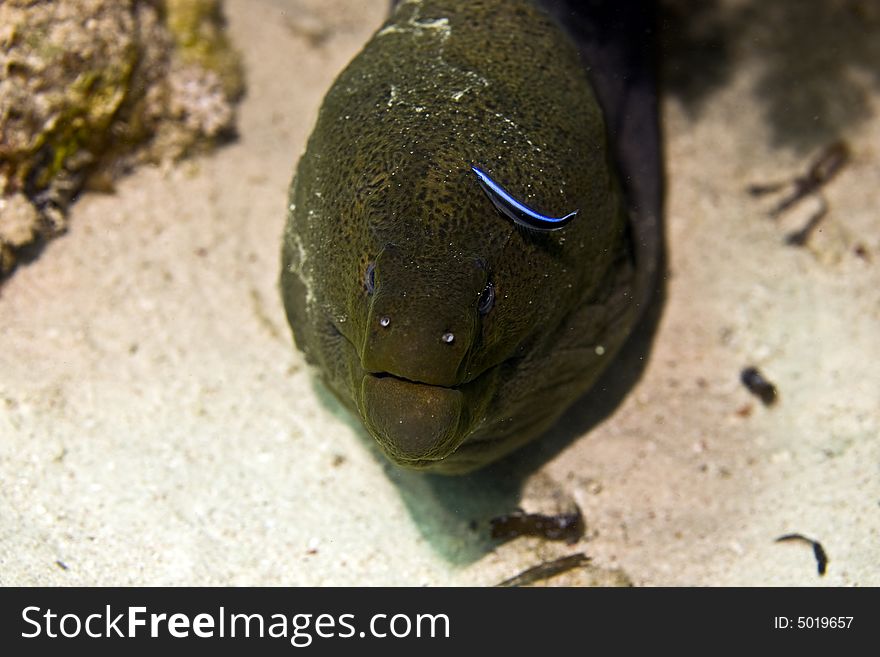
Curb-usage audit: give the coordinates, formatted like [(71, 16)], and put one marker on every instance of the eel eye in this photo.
[(370, 278), (487, 299)]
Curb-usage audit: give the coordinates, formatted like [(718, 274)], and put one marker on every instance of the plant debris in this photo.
[(759, 386), (824, 167), (547, 570), (818, 550), (567, 527)]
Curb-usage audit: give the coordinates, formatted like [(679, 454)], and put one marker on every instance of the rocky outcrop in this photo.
[(89, 88)]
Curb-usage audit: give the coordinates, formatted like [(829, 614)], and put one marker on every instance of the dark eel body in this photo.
[(460, 314)]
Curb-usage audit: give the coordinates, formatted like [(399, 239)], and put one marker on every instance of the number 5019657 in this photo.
[(813, 622)]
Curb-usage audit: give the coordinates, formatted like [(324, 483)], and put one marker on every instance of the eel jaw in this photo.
[(416, 424)]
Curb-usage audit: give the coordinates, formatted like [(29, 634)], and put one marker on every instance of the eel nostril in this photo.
[(448, 337), (384, 321)]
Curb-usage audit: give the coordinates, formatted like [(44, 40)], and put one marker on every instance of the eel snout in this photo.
[(418, 343)]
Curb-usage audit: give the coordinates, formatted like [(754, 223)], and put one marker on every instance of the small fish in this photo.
[(517, 211), (474, 227)]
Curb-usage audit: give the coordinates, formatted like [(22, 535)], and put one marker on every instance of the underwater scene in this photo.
[(439, 293)]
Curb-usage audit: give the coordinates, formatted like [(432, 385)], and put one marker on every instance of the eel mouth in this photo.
[(415, 423)]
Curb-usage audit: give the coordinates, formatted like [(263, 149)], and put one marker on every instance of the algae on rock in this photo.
[(89, 88)]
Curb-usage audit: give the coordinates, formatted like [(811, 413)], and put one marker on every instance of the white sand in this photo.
[(157, 426)]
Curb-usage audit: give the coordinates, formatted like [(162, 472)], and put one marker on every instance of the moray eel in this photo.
[(473, 228)]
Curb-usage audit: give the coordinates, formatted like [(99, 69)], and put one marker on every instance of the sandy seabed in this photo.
[(157, 426)]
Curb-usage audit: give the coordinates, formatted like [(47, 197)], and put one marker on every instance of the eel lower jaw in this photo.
[(385, 402), (415, 423)]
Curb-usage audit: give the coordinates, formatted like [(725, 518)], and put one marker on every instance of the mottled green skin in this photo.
[(386, 179)]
